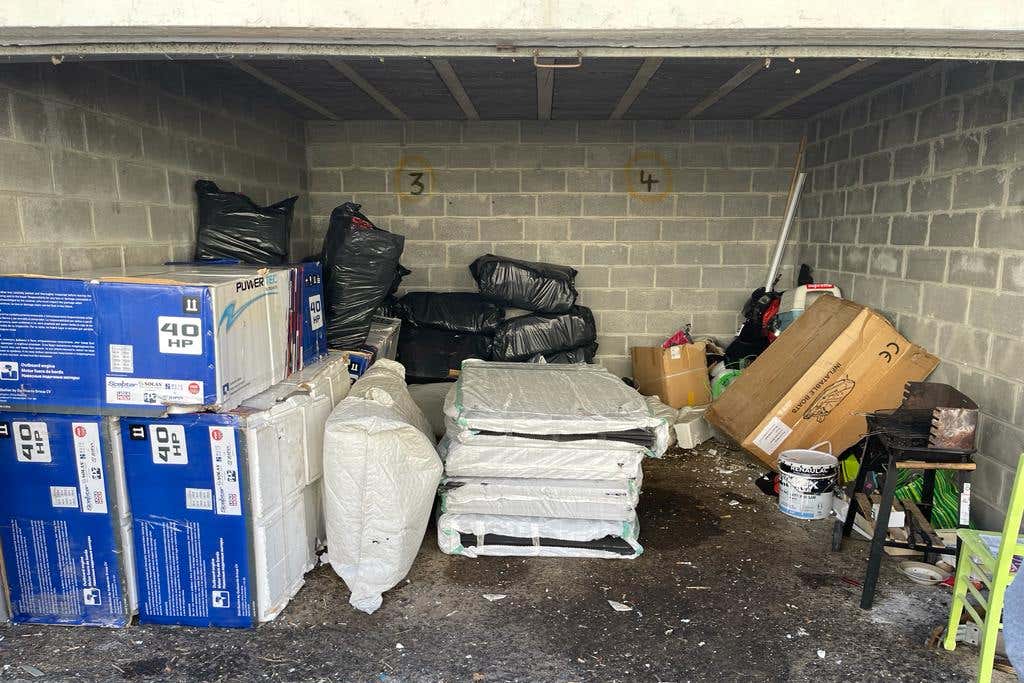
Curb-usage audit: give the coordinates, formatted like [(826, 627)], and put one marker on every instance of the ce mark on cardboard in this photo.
[(892, 349)]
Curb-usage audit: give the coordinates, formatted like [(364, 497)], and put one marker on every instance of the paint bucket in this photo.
[(807, 478)]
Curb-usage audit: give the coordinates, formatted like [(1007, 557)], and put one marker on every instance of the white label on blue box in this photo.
[(316, 312), (32, 442), (150, 391), (225, 471), (122, 358), (198, 499), (180, 335), (168, 444), (89, 464), (63, 496)]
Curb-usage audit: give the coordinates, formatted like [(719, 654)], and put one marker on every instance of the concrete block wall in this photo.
[(687, 252), (916, 208), (97, 162)]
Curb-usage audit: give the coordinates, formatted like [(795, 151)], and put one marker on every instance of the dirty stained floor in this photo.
[(726, 589)]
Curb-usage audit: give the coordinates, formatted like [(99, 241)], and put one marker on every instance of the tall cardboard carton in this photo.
[(838, 361)]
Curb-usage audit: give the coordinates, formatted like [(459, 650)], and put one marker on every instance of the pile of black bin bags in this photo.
[(524, 312)]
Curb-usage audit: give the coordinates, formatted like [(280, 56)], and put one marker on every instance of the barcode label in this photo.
[(89, 462)]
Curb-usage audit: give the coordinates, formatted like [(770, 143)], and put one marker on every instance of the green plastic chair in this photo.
[(977, 558)]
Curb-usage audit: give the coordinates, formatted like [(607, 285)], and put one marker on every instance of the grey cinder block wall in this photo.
[(97, 162), (685, 248), (917, 208)]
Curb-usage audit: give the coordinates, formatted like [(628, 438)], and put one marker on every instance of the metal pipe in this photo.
[(787, 223)]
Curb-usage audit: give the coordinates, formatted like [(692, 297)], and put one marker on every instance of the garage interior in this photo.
[(663, 181)]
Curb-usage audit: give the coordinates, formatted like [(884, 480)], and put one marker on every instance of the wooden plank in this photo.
[(643, 75), (866, 509), (818, 87), (367, 87), (285, 90), (545, 91), (451, 79), (922, 465), (736, 81), (923, 524)]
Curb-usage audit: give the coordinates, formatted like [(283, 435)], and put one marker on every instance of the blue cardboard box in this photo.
[(119, 343), (65, 527), (310, 310)]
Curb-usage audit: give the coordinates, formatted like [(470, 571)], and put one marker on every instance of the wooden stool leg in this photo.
[(867, 597)]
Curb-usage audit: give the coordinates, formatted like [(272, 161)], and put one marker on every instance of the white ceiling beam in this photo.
[(285, 90), (451, 79), (640, 80), (736, 81), (380, 98), (818, 87)]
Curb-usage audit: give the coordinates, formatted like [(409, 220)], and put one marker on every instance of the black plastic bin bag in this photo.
[(535, 286), (230, 225)]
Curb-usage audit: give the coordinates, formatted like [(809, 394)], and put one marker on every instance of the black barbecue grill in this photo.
[(934, 428)]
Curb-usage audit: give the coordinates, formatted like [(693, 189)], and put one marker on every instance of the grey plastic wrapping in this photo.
[(361, 269), (232, 226), (384, 383), (522, 338), (469, 454), (540, 399), (555, 498), (450, 527), (667, 412), (531, 285), (380, 478)]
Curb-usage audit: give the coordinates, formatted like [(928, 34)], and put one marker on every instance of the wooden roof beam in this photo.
[(380, 98), (285, 90), (736, 81), (640, 80)]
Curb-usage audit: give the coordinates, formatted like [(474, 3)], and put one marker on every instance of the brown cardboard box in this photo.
[(678, 375), (838, 361)]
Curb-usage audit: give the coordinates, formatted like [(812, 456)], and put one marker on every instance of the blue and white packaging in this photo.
[(234, 498), (65, 524), (145, 342), (311, 311)]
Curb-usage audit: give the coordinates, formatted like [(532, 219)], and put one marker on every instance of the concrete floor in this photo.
[(727, 589)]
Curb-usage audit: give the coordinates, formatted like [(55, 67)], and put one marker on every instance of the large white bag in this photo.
[(384, 383), (380, 477)]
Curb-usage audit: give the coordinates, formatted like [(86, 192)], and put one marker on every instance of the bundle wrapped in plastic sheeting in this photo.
[(582, 354), (429, 354), (232, 226), (555, 498), (472, 454), (525, 284), (670, 414), (521, 338), (361, 269), (475, 535), (464, 312), (380, 477), (384, 383), (539, 399)]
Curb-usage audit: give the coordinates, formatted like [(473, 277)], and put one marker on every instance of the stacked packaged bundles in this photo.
[(243, 489), (544, 460)]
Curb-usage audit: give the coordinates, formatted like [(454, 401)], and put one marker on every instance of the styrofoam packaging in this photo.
[(224, 495), (478, 535), (66, 531), (555, 498), (470, 454), (380, 478), (143, 341), (691, 429)]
